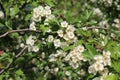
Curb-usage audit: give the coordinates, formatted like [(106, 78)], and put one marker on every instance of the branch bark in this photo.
[(21, 30)]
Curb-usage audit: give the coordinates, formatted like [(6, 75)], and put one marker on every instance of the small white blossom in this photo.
[(35, 48), (57, 43), (70, 35), (60, 33), (32, 26), (80, 48), (1, 14), (30, 40), (98, 58), (66, 37), (41, 10), (64, 24), (22, 45), (70, 28), (50, 38), (98, 66), (84, 28), (56, 69), (98, 12), (67, 73), (91, 69)]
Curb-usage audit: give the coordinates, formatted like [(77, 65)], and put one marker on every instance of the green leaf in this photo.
[(90, 53), (116, 66), (28, 17), (19, 72), (1, 25), (44, 29), (106, 40), (114, 48), (68, 48), (8, 24), (50, 3), (1, 77), (14, 11), (90, 76), (91, 22), (111, 77)]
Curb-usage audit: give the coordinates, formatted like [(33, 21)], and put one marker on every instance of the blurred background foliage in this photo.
[(17, 15)]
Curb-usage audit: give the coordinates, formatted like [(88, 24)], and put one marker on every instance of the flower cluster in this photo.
[(65, 36), (40, 12), (75, 56), (100, 62), (30, 42)]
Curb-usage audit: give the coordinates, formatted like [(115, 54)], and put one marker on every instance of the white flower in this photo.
[(67, 58), (22, 45), (97, 11), (35, 48), (70, 35), (104, 72), (66, 37), (67, 73), (49, 17), (36, 13), (60, 33), (56, 69), (32, 26), (98, 58), (30, 40), (47, 10), (108, 53), (43, 55), (91, 69), (64, 44), (47, 7), (98, 66), (79, 48), (41, 10), (1, 14), (57, 43), (48, 30), (64, 24), (50, 38), (106, 58), (70, 28), (96, 30), (116, 20), (103, 43), (75, 66), (84, 28), (52, 59)]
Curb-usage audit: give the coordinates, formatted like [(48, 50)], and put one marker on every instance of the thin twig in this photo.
[(9, 64), (19, 54), (21, 30)]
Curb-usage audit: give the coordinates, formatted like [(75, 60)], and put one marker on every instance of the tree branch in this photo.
[(21, 30), (9, 64)]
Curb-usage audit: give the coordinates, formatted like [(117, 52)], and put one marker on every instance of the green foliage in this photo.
[(90, 52), (90, 18), (112, 77)]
